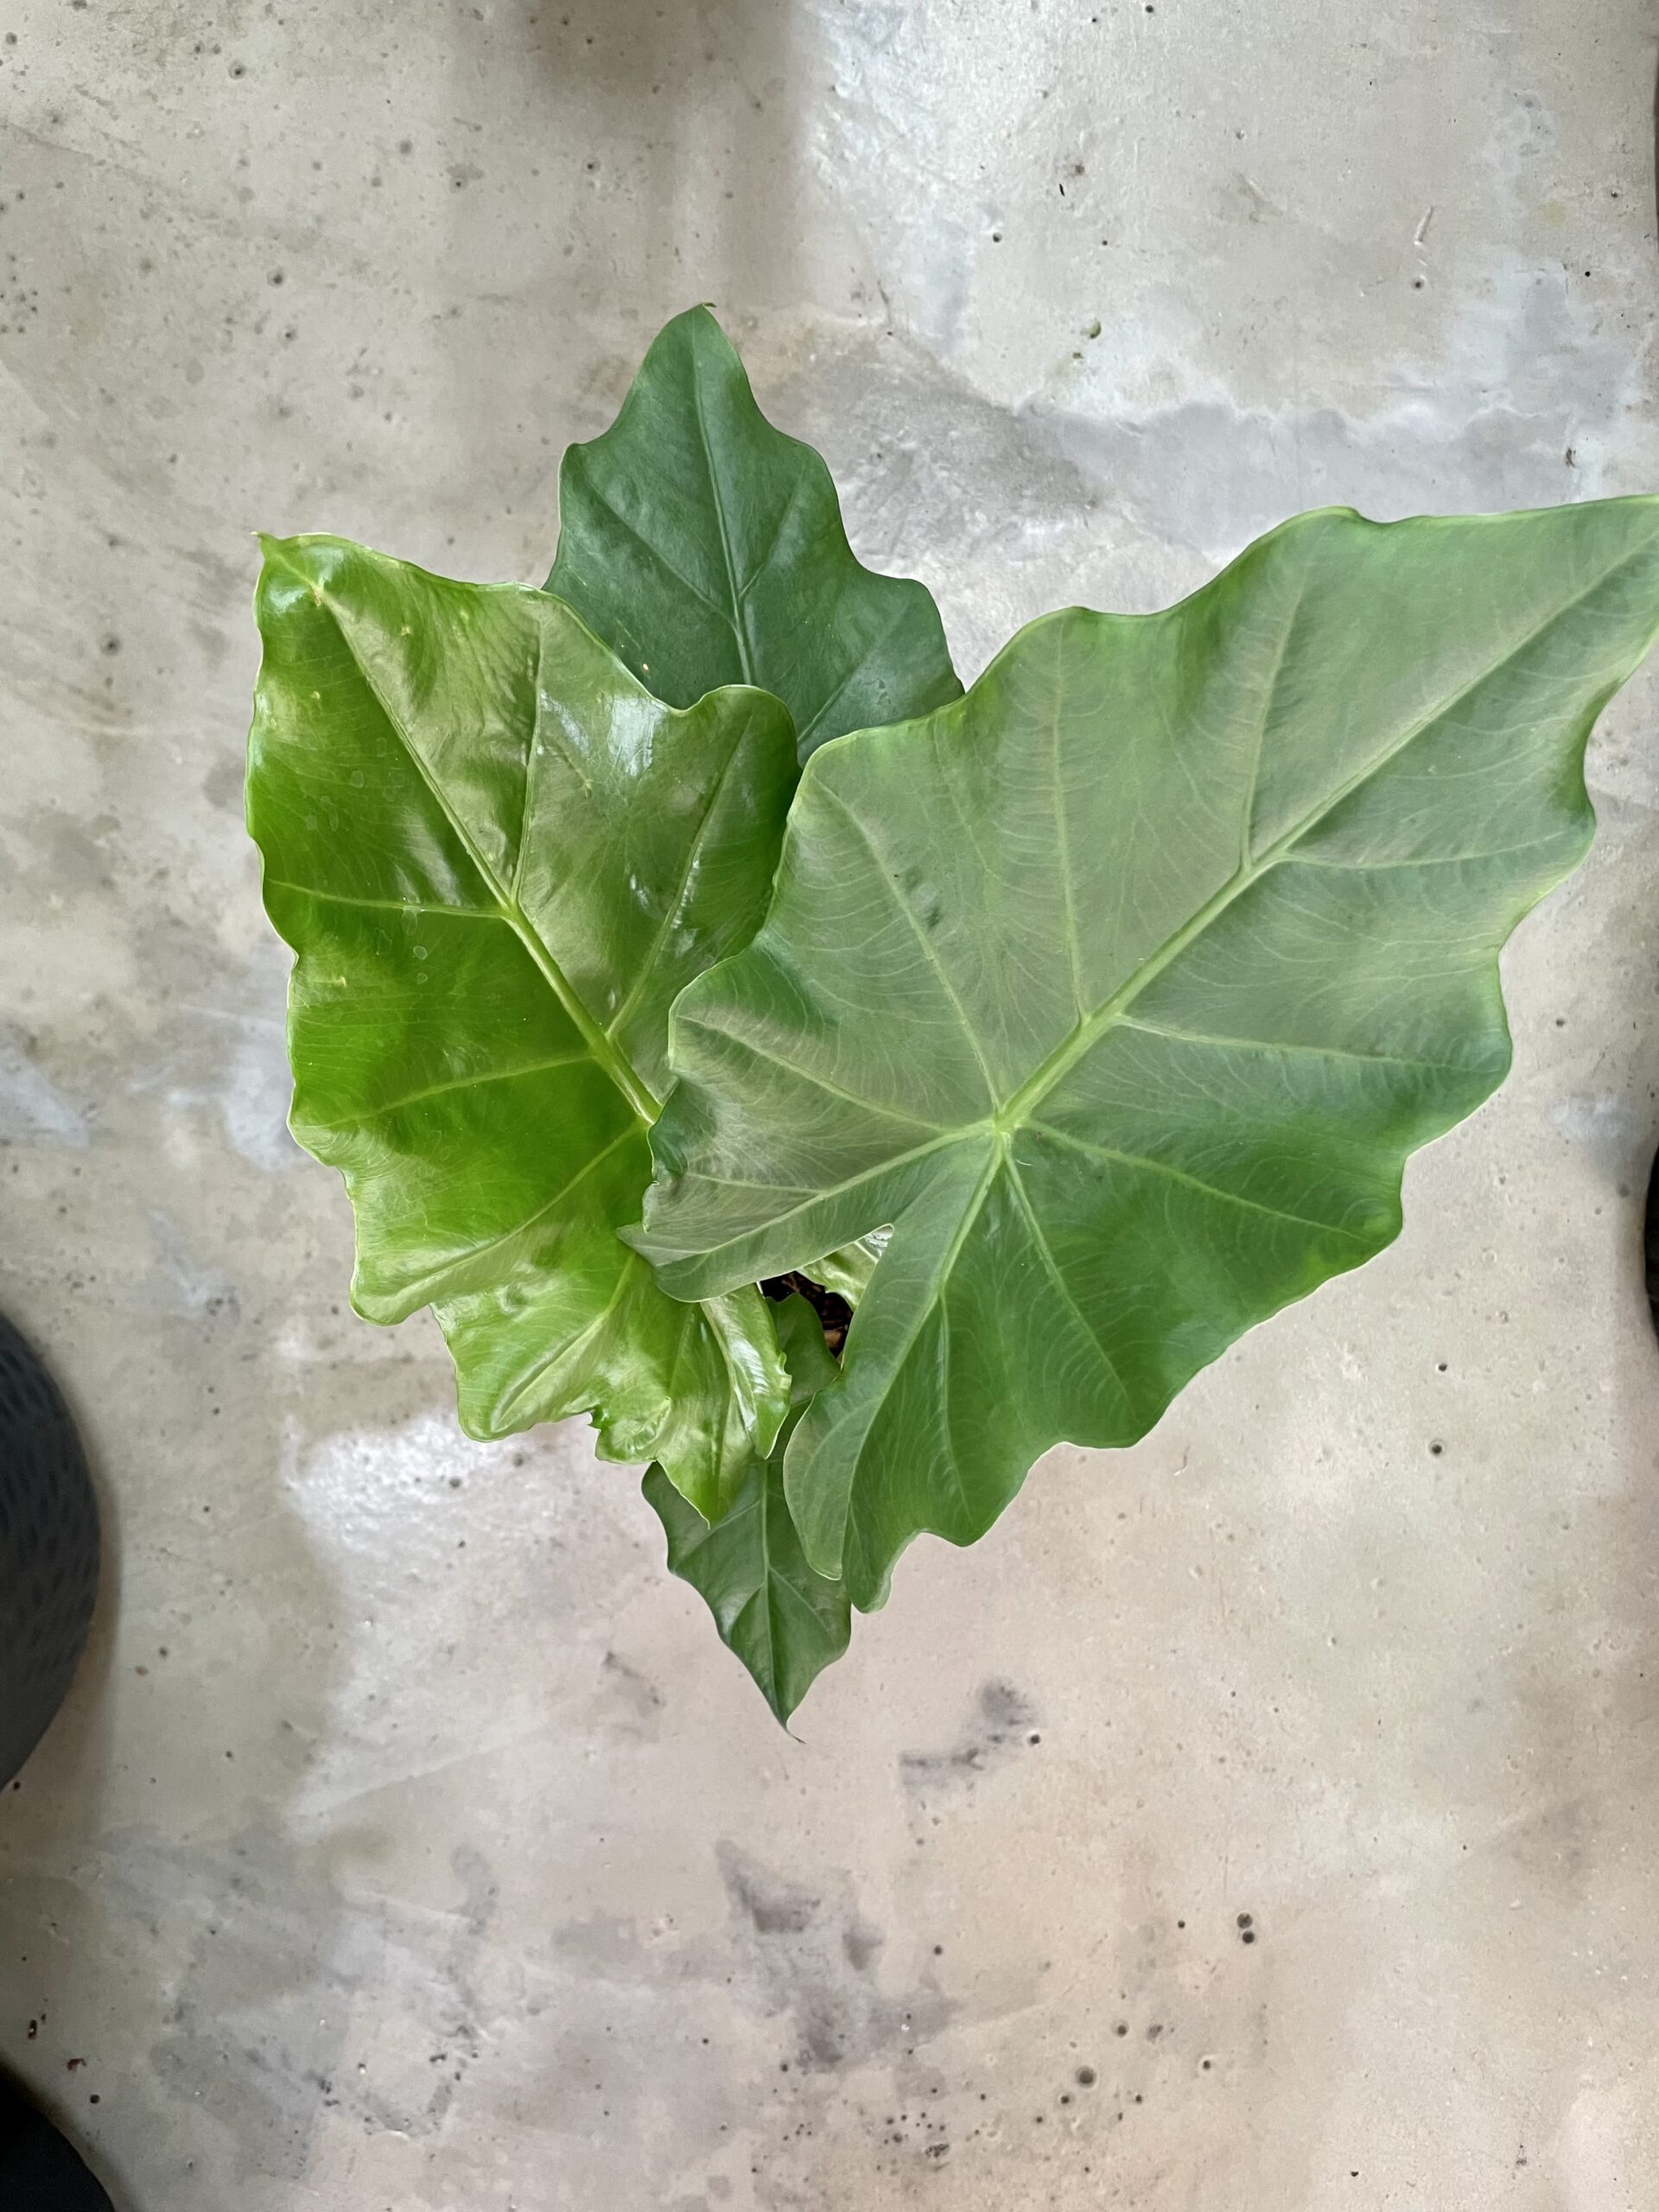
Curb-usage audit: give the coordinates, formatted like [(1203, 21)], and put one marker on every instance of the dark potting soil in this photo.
[(829, 1306)]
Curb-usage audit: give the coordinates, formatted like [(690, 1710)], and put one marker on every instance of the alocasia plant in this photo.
[(1090, 1017)]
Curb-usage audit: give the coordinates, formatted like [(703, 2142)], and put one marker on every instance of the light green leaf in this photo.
[(497, 858), (1123, 988), (706, 547), (784, 1622), (849, 1270)]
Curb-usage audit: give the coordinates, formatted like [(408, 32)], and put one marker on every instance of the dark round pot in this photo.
[(40, 2171), (49, 1549)]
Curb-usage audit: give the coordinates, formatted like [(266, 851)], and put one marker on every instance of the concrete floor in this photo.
[(409, 1841)]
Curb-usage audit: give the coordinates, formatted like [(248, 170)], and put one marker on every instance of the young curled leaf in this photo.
[(785, 1621)]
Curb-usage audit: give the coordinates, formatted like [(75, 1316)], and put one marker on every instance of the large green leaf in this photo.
[(706, 547), (1123, 988), (784, 1621), (497, 857)]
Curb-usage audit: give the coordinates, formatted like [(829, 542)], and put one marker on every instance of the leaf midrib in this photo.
[(996, 1154), (674, 907), (739, 617), (772, 1686), (430, 1286), (1017, 1110), (567, 1353), (612, 1061)]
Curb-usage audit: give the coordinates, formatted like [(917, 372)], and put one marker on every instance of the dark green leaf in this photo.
[(812, 1366), (785, 1623), (497, 858), (706, 547), (1123, 988)]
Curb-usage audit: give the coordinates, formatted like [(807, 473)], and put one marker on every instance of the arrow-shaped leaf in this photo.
[(497, 858), (706, 548), (784, 1621), (1123, 988)]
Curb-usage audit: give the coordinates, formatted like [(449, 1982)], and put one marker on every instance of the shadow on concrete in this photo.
[(646, 157)]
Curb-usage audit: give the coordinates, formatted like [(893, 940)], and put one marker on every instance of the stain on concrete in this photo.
[(1001, 1722), (814, 1958), (32, 1106)]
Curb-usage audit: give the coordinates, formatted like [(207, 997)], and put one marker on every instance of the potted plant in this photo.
[(683, 933)]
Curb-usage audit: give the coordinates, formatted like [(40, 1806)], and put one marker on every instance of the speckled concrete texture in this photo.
[(409, 1842)]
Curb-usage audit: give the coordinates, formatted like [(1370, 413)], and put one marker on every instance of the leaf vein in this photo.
[(1083, 1039), (932, 958), (738, 617), (459, 1083), (1052, 1267), (621, 1074), (1193, 1182), (430, 1286), (1317, 1052)]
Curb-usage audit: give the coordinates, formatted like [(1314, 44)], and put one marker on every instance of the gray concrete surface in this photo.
[(409, 1842)]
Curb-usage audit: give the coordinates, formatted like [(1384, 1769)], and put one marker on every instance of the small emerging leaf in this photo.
[(706, 548), (849, 1270), (497, 857), (1123, 988), (784, 1622)]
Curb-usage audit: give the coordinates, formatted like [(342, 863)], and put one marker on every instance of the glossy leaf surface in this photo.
[(849, 1270), (497, 857), (706, 548), (784, 1621), (1123, 988)]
